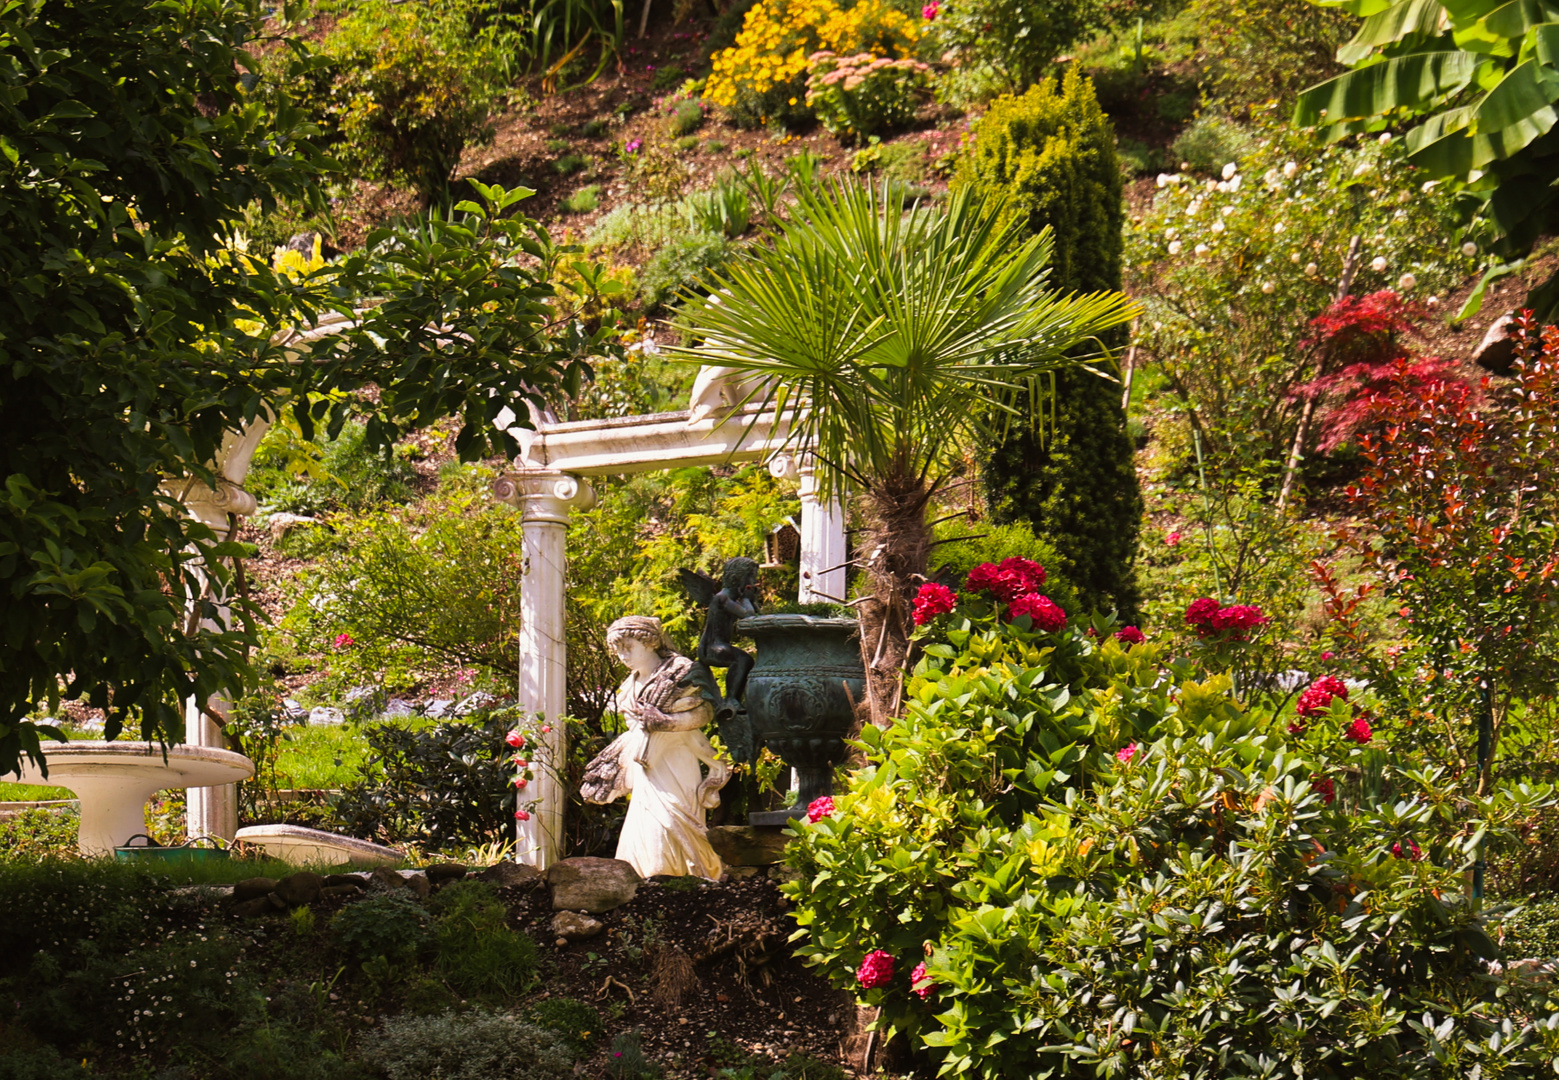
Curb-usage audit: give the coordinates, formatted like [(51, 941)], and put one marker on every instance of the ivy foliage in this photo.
[(1051, 154), (135, 336), (1083, 862)]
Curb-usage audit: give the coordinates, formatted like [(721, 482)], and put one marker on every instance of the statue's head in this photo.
[(739, 575), (643, 628)]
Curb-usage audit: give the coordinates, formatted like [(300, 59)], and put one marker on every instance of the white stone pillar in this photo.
[(213, 811), (822, 542), (544, 499)]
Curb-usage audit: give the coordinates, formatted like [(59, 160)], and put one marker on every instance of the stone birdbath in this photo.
[(113, 780)]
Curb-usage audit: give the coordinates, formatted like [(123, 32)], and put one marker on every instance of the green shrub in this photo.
[(576, 1023), (442, 787), (858, 96), (1107, 869), (636, 227), (628, 1061), (40, 834), (1051, 155), (723, 209), (583, 201), (478, 954), (1017, 40), (44, 1063), (686, 117), (413, 88), (1211, 143), (465, 1046), (667, 77), (1261, 50), (296, 477), (716, 146), (687, 144), (594, 129), (392, 926), (902, 161), (1532, 931), (681, 264), (569, 164)]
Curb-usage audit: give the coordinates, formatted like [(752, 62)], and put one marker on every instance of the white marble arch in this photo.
[(550, 478)]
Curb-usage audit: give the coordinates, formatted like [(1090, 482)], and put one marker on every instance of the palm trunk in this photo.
[(896, 551)]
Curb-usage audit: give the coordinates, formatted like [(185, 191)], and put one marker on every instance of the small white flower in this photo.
[(1267, 287), (1227, 210), (1279, 227), (1407, 282), (1290, 170), (1271, 177), (1378, 263), (1361, 168), (1194, 209), (1294, 258), (1229, 170), (1221, 186), (1433, 301), (1163, 179), (1469, 249), (1217, 226), (1385, 138), (1234, 185), (1311, 269), (1170, 234), (1174, 247), (1202, 249)]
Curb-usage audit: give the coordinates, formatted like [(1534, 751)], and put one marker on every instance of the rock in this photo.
[(748, 845), (1497, 351), (479, 700), (398, 709), (439, 873), (386, 878), (276, 902), (361, 702), (330, 892), (252, 888), (417, 882), (783, 874), (301, 888), (249, 909), (294, 712), (576, 926), (325, 716), (440, 710), (357, 881), (510, 874), (590, 884), (737, 872)]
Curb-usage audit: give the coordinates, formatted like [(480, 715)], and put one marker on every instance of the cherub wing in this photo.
[(700, 587)]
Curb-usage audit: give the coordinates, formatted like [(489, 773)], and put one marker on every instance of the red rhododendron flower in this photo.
[(1045, 612), (344, 641), (1200, 611), (933, 600), (920, 983), (1237, 620), (818, 809), (1318, 697), (1325, 786), (1126, 753), (1358, 731), (1412, 851), (1130, 635), (876, 970), (1031, 572), (929, 11), (515, 739)]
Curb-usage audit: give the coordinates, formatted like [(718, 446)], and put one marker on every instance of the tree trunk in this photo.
[(896, 552)]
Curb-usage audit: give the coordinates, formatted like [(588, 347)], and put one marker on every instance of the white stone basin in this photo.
[(301, 846), (113, 780)]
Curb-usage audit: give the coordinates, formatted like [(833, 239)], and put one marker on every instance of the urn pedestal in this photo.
[(801, 698)]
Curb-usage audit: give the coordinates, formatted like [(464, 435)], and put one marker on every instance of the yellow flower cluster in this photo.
[(777, 37)]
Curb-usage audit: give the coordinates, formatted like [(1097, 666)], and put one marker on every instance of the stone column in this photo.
[(544, 499), (822, 542), (213, 811)]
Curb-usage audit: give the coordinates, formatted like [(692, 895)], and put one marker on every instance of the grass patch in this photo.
[(583, 201), (33, 793), (320, 757), (569, 164)]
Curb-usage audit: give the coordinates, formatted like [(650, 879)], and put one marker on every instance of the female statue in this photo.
[(658, 758)]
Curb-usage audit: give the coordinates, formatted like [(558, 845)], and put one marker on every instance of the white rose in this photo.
[(1433, 301), (1170, 234), (1194, 209), (1361, 168), (1229, 170), (1378, 263), (1163, 179), (1311, 269), (1271, 177), (1267, 287), (1290, 170), (1227, 210), (1469, 249), (1407, 282), (1174, 247), (1385, 139), (1202, 249), (1217, 226), (1220, 186), (1294, 257), (1234, 185), (1279, 227)]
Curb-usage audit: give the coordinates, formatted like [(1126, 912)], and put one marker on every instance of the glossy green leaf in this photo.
[(1398, 82), (1402, 19)]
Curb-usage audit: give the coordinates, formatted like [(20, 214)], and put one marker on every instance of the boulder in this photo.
[(576, 926), (296, 890), (418, 883), (748, 845), (249, 909), (252, 889), (590, 884), (330, 892), (439, 873), (386, 878), (357, 881), (398, 709), (1497, 351), (325, 716), (440, 710), (510, 874)]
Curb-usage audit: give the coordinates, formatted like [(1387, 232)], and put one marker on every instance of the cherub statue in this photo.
[(733, 597), (658, 759)]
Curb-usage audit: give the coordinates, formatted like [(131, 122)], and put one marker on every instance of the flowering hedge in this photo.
[(861, 95), (1069, 858)]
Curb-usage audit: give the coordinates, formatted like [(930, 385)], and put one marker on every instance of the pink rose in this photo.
[(1326, 657), (344, 641), (520, 782), (920, 983), (876, 970), (1318, 697), (521, 815), (1045, 612), (929, 11), (821, 808), (1173, 539), (514, 739)]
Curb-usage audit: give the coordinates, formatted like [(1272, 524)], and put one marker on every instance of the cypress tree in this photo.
[(1051, 154)]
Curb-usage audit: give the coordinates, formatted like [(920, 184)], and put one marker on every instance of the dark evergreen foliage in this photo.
[(1051, 153)]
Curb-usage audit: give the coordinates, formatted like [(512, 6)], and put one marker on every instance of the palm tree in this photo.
[(887, 339)]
